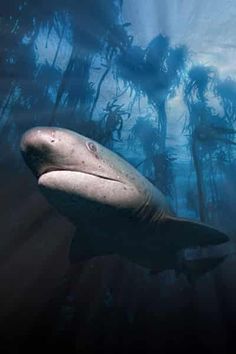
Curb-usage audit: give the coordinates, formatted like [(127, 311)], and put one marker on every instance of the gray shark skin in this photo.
[(116, 210)]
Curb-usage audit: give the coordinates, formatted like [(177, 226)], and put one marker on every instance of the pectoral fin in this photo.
[(181, 233)]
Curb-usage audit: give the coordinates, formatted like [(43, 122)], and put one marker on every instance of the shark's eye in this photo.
[(91, 146)]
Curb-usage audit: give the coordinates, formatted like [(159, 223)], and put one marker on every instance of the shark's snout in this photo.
[(37, 146), (37, 137)]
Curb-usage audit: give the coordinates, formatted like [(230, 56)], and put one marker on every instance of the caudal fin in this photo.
[(182, 233)]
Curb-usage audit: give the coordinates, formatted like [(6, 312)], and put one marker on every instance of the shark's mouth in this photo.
[(82, 173)]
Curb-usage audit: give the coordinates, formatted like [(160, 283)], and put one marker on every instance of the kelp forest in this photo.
[(77, 66)]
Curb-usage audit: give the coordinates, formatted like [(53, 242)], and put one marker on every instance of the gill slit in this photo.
[(149, 211)]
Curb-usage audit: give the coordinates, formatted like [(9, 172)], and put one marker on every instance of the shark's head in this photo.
[(80, 177)]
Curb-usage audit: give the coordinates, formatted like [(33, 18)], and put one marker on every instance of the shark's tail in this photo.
[(181, 233)]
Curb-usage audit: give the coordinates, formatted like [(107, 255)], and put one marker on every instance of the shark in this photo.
[(116, 210)]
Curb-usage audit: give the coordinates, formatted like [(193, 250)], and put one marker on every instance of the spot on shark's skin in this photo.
[(103, 194)]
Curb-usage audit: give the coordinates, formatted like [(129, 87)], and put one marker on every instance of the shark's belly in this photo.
[(141, 249)]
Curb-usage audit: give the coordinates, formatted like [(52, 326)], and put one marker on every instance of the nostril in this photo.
[(52, 137)]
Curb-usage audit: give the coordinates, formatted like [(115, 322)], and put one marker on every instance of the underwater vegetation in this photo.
[(78, 65), (56, 69)]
